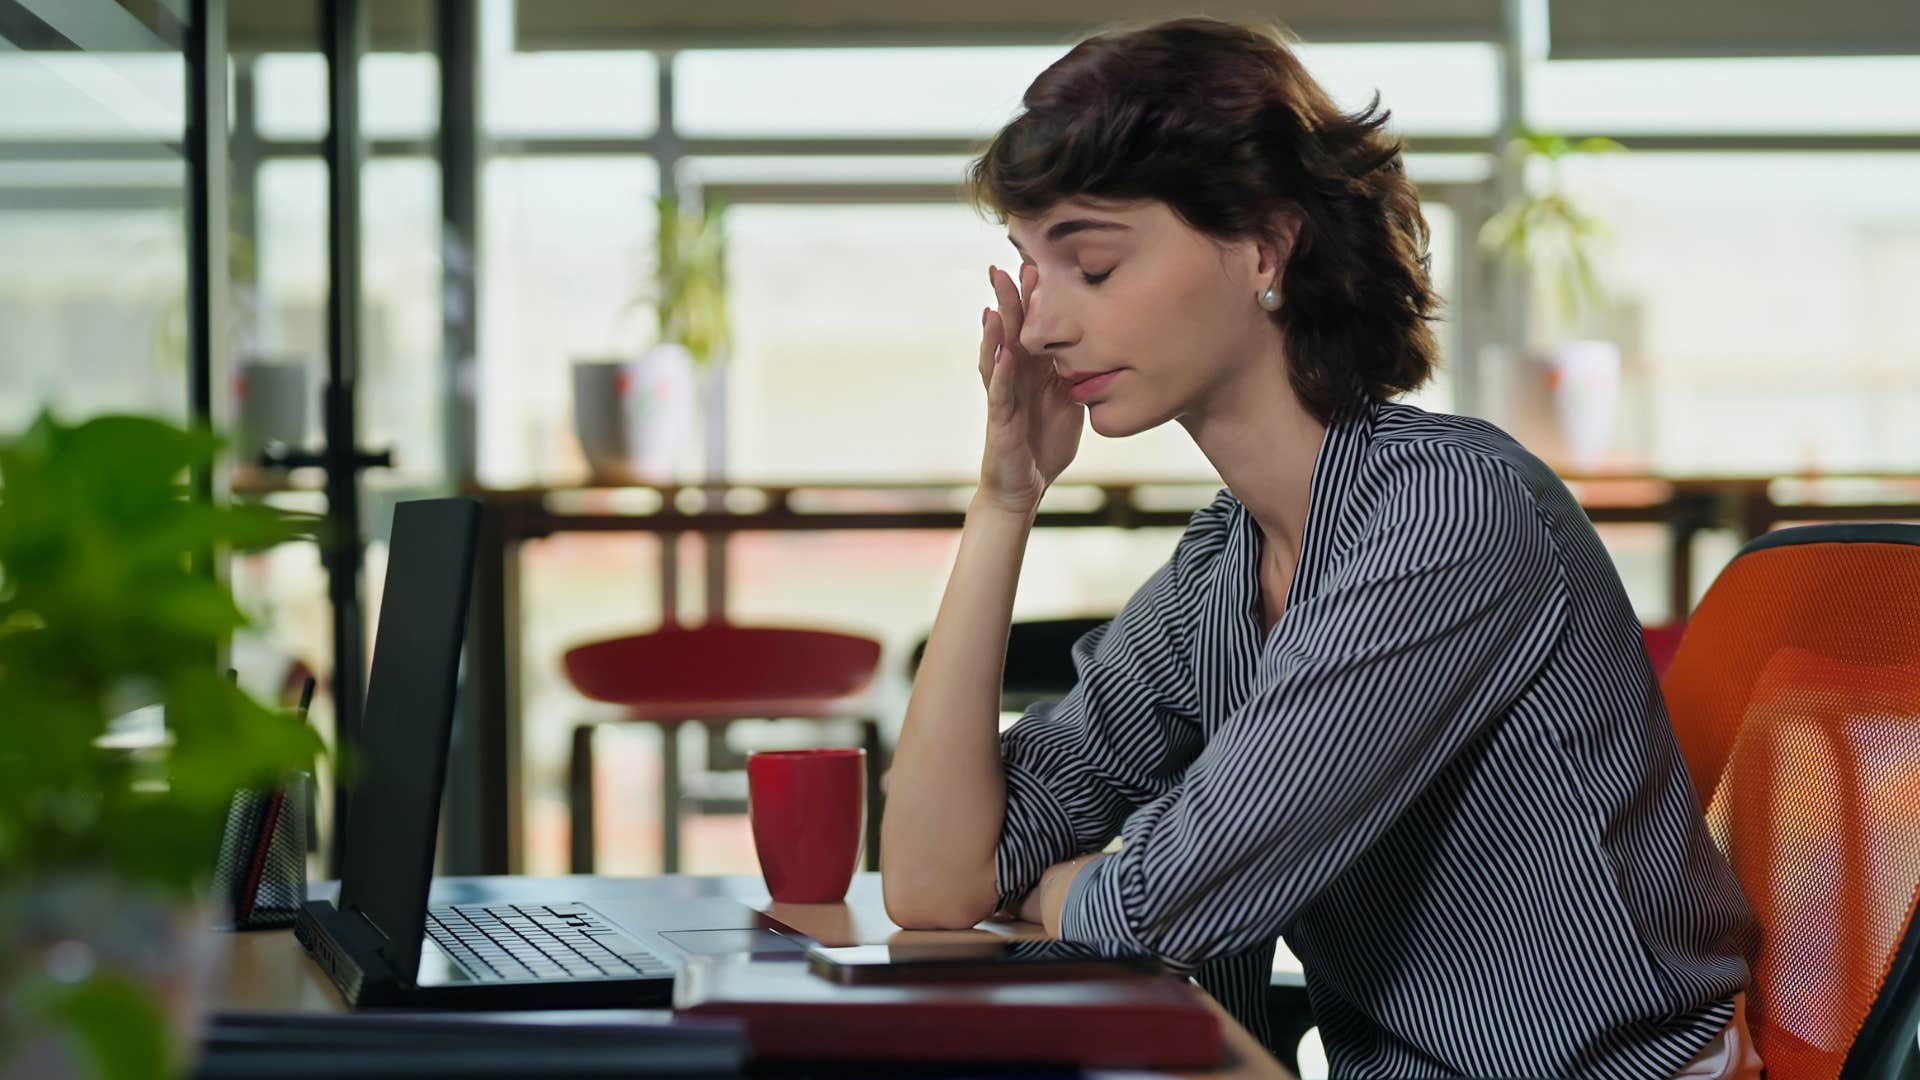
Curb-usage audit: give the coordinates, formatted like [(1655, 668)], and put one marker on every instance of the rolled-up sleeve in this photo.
[(1121, 737), (1448, 603)]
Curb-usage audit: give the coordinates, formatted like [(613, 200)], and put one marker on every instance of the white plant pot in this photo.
[(1562, 403), (632, 416), (1584, 377)]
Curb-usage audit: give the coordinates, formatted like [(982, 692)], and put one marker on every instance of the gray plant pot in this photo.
[(271, 403), (632, 416)]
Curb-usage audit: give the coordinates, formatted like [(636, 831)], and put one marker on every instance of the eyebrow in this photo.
[(1060, 230)]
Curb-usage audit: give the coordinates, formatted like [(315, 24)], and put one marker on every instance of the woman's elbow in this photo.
[(951, 917), (933, 906)]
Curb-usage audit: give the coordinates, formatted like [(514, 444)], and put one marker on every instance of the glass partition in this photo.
[(1763, 304), (93, 225)]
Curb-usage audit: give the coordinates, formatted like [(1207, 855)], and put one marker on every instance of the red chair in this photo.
[(1662, 641), (1796, 696), (713, 675)]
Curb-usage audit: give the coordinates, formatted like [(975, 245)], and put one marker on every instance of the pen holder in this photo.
[(261, 874)]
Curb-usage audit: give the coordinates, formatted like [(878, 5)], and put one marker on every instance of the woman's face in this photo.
[(1163, 318)]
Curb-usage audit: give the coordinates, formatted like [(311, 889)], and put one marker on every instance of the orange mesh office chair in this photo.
[(1796, 695)]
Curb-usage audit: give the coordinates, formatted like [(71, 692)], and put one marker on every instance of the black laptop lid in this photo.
[(394, 810)]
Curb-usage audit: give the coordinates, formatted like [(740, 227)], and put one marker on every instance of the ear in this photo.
[(1282, 238)]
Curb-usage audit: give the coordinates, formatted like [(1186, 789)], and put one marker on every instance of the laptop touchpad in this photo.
[(720, 942)]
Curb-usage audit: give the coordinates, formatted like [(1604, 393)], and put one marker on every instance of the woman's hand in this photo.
[(1033, 423)]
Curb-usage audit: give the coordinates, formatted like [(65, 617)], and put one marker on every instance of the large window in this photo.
[(572, 93), (1771, 96), (400, 337), (810, 393), (93, 238), (858, 345), (399, 95), (1433, 89), (858, 339), (569, 251), (1764, 301)]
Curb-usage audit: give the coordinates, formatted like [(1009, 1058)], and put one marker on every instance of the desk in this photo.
[(269, 972)]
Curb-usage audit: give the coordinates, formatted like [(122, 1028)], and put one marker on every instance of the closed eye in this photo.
[(1095, 279)]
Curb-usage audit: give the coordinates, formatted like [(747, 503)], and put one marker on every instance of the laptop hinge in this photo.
[(347, 949), (382, 946), (369, 941)]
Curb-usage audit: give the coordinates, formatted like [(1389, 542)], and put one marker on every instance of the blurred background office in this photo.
[(408, 231)]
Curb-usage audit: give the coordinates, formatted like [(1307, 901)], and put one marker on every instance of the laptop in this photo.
[(381, 943)]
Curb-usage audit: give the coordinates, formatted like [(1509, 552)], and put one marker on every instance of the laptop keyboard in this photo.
[(533, 941)]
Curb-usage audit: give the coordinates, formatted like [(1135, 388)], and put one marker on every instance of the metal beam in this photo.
[(478, 823), (111, 28), (22, 29), (39, 199), (458, 29), (1500, 319), (206, 144), (343, 34), (618, 146), (90, 150), (903, 34), (841, 146), (1896, 143), (828, 193)]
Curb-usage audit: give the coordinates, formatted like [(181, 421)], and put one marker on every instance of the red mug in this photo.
[(809, 814)]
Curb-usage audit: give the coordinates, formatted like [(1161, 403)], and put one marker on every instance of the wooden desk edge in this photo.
[(269, 971)]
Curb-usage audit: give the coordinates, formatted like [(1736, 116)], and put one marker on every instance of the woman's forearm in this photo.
[(947, 795)]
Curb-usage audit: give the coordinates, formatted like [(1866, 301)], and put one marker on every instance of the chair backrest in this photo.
[(724, 662), (1796, 693), (1039, 659)]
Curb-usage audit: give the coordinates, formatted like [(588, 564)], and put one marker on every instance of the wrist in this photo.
[(1058, 886), (985, 505)]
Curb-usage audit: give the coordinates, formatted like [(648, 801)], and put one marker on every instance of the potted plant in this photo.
[(1544, 229), (632, 414), (107, 950)]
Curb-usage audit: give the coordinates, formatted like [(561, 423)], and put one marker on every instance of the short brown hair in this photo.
[(1220, 122)]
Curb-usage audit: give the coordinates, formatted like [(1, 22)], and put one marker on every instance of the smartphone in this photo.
[(978, 961)]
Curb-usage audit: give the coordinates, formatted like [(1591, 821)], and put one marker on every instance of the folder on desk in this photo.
[(1156, 1021), (446, 1045)]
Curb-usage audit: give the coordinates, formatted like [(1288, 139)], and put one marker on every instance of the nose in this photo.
[(1050, 324)]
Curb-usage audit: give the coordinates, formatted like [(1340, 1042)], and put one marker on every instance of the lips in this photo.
[(1076, 378), (1090, 387)]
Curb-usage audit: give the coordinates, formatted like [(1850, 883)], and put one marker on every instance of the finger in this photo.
[(1012, 311), (1029, 281), (989, 343), (1000, 377)]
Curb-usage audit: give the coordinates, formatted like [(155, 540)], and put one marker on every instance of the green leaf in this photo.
[(689, 291), (1544, 230), (1598, 144), (98, 535)]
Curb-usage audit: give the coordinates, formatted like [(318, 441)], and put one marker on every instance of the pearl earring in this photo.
[(1270, 297)]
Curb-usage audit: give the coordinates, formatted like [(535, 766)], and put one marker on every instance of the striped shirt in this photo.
[(1447, 776)]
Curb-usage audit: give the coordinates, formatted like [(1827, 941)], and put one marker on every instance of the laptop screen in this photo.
[(394, 810)]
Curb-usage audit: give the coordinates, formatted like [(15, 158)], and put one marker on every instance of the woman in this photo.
[(1387, 697)]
